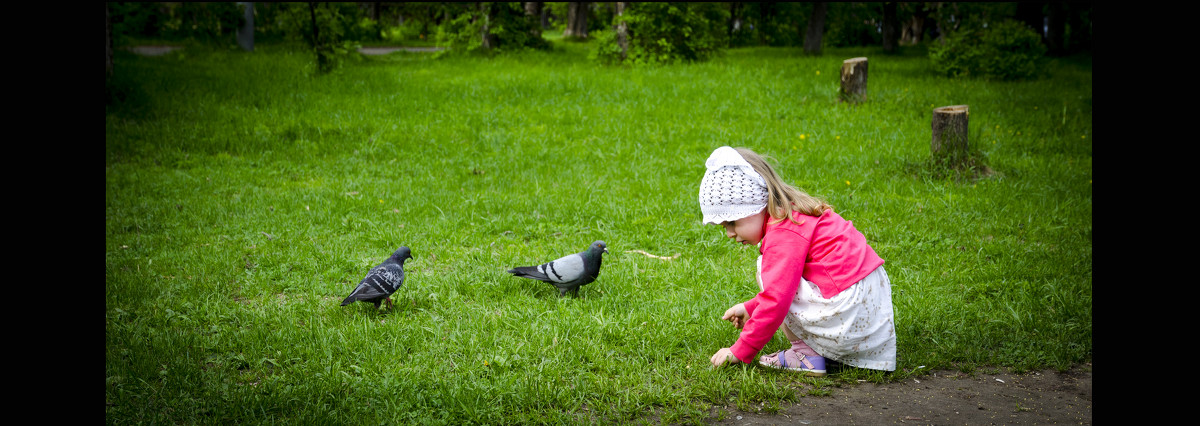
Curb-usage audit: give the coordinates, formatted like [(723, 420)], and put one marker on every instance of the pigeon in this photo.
[(381, 281), (568, 273)]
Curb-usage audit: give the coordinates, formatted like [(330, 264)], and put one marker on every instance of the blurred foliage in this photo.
[(1006, 51), (663, 33), (660, 32), (508, 26), (174, 21), (338, 26)]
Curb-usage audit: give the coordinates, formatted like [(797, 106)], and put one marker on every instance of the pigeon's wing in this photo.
[(564, 269), (380, 282)]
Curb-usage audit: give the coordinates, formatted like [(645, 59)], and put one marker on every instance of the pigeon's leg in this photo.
[(389, 300)]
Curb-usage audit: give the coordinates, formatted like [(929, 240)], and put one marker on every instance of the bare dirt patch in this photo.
[(985, 397)]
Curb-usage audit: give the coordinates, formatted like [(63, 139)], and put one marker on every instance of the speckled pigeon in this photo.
[(382, 280), (568, 273)]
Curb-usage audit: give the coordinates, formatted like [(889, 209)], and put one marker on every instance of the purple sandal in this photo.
[(788, 359)]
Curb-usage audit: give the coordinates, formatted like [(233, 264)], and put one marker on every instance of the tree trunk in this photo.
[(891, 25), (488, 14), (322, 66), (533, 12), (914, 28), (622, 29), (950, 134), (1081, 33), (1056, 28), (854, 80), (108, 44), (245, 31), (577, 13), (735, 21), (816, 29)]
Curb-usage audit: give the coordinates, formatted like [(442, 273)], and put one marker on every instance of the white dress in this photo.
[(856, 327)]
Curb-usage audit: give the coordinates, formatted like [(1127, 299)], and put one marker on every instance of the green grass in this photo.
[(246, 196)]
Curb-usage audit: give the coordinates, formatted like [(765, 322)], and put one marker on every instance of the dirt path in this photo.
[(944, 398)]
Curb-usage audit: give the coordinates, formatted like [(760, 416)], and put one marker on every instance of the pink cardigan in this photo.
[(826, 250)]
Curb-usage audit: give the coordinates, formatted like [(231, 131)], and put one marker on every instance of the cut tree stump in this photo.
[(950, 134), (854, 80)]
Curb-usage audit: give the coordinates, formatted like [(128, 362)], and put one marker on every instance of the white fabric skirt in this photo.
[(856, 327)]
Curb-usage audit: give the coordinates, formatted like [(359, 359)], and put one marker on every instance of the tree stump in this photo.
[(950, 134), (854, 80)]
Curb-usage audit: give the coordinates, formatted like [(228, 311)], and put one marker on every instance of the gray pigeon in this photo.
[(382, 280), (568, 272)]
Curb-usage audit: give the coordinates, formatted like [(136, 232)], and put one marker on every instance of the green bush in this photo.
[(411, 30), (664, 33), (1007, 51), (337, 29), (151, 21), (509, 26)]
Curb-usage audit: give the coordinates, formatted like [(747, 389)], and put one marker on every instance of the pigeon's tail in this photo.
[(530, 272), (349, 299)]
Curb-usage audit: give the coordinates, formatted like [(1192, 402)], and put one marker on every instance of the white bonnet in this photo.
[(731, 189)]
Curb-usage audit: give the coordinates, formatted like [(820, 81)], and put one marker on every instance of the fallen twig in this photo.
[(654, 256)]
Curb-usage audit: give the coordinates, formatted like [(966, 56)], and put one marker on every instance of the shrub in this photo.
[(1007, 51), (663, 33), (510, 28), (336, 25)]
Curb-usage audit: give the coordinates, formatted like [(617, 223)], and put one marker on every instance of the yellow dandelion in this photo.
[(837, 137), (847, 183), (801, 136), (818, 72)]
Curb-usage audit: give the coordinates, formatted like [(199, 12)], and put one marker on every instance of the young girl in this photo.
[(818, 276)]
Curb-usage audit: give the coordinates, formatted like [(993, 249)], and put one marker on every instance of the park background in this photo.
[(256, 171)]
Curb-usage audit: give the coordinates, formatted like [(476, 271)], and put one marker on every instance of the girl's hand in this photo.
[(737, 315), (724, 356)]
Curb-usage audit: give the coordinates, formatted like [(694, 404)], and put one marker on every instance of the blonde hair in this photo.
[(783, 199)]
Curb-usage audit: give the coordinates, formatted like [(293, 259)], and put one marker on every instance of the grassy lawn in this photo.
[(245, 197)]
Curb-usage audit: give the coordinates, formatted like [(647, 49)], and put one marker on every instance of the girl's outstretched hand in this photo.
[(737, 315), (724, 356)]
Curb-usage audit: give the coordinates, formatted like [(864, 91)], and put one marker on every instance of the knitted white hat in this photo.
[(731, 189)]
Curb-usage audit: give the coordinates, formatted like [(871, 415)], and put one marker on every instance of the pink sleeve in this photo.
[(782, 266)]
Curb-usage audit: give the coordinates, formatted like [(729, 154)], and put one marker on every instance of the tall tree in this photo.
[(891, 26), (1056, 27), (735, 22), (108, 44), (488, 14), (913, 30), (533, 10), (323, 62), (245, 31), (577, 19), (622, 30), (816, 29)]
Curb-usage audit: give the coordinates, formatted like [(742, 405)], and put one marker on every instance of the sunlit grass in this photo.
[(245, 196)]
